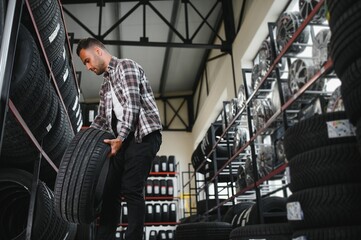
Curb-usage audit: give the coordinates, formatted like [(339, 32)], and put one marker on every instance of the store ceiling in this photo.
[(170, 39)]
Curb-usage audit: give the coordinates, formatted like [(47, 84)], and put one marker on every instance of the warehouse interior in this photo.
[(258, 101)]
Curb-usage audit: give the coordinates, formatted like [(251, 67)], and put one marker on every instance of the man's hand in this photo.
[(115, 145)]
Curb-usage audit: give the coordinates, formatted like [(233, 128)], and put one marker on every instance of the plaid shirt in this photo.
[(130, 85)]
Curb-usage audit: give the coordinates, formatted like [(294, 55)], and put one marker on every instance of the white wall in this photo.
[(253, 31), (178, 144)]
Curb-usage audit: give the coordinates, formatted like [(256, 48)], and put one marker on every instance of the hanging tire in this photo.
[(326, 206), (203, 230), (335, 104), (301, 71), (79, 185), (277, 231), (334, 164), (307, 6), (318, 131), (320, 47), (335, 233), (287, 25)]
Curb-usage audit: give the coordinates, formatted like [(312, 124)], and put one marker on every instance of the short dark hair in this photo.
[(86, 43)]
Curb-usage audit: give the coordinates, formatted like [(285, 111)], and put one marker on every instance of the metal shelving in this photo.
[(281, 117)]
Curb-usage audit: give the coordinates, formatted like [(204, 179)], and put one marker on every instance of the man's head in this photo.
[(94, 55)]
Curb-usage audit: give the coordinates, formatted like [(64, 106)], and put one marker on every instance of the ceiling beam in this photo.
[(163, 78), (157, 44)]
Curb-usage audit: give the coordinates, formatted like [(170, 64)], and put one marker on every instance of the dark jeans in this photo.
[(128, 172)]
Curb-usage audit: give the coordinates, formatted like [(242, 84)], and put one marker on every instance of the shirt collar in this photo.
[(111, 66)]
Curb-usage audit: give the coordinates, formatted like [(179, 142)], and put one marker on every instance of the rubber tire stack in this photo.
[(246, 225), (345, 26), (324, 164), (39, 106), (15, 191), (48, 18)]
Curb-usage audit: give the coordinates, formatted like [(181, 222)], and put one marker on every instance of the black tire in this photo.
[(313, 133), (270, 205), (345, 46), (335, 233), (328, 165), (326, 206), (43, 12), (277, 231), (53, 226), (15, 191), (76, 185), (55, 145), (337, 8), (203, 230), (233, 211), (240, 219), (351, 90)]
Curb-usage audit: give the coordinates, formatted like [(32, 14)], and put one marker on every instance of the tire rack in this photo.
[(7, 54), (327, 67)]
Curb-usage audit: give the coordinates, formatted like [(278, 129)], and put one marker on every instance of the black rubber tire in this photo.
[(276, 231), (345, 45), (326, 206), (335, 164), (55, 145), (203, 230), (335, 233), (270, 205), (337, 8), (30, 91), (15, 188), (53, 226), (43, 11), (79, 174), (351, 90), (312, 133), (233, 211), (53, 36)]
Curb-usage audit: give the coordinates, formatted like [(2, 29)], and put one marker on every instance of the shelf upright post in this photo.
[(271, 26), (7, 55), (215, 167), (253, 154)]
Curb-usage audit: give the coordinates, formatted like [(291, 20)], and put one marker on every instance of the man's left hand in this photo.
[(115, 145)]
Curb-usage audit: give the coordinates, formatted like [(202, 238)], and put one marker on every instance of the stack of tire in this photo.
[(48, 18), (39, 106), (16, 187), (345, 52), (325, 179), (247, 225)]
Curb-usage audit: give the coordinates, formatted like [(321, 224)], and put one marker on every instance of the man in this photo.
[(127, 108)]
